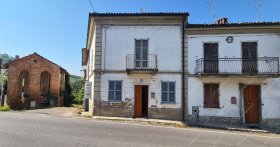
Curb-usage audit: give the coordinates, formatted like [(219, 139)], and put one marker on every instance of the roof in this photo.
[(239, 24), (6, 65), (142, 14)]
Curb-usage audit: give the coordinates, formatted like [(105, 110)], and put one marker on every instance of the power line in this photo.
[(91, 5)]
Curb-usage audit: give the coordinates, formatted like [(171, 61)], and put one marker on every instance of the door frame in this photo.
[(142, 99), (242, 105)]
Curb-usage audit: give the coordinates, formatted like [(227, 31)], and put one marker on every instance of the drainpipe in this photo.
[(105, 43), (183, 69)]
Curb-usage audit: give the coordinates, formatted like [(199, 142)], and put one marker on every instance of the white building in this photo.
[(234, 73), (134, 64)]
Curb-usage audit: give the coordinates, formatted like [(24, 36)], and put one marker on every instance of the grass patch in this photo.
[(5, 108)]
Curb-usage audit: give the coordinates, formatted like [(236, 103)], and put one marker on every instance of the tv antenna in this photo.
[(258, 9), (213, 7)]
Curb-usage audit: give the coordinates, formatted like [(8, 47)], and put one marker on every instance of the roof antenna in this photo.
[(213, 7), (141, 10), (258, 9)]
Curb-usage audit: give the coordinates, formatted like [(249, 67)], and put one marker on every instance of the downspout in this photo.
[(183, 69), (105, 43)]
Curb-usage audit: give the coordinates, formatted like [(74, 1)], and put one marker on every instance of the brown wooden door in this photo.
[(138, 101), (252, 104)]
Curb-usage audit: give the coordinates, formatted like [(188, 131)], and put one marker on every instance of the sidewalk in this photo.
[(239, 128), (180, 124)]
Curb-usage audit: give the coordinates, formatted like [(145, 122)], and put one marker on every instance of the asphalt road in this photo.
[(21, 129)]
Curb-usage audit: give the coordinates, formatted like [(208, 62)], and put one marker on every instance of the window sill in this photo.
[(212, 107), (115, 102), (168, 103)]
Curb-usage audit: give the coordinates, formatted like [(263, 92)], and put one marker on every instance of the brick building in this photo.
[(35, 81)]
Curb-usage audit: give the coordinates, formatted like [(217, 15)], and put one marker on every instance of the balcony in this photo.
[(146, 64), (262, 66)]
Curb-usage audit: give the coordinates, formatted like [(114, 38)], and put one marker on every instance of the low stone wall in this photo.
[(271, 123), (165, 113), (113, 111), (193, 120)]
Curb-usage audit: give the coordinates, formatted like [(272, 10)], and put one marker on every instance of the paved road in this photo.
[(21, 129)]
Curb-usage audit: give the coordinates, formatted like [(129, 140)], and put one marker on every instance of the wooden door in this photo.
[(138, 101), (252, 104), (211, 62), (249, 57)]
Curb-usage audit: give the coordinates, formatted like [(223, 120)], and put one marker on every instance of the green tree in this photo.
[(77, 90), (5, 58)]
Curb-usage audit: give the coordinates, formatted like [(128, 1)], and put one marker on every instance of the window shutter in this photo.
[(207, 96), (87, 91), (215, 96), (211, 95)]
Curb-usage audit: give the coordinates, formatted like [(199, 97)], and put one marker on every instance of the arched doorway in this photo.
[(24, 82), (45, 83)]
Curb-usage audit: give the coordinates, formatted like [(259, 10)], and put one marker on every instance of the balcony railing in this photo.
[(238, 66), (146, 64)]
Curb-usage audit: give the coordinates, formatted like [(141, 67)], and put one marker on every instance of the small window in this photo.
[(115, 90), (211, 96), (168, 92)]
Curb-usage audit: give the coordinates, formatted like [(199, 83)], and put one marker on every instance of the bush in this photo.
[(78, 96), (15, 105), (5, 108)]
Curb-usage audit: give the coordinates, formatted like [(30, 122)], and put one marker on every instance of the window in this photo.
[(45, 83), (168, 92), (141, 53), (211, 62), (24, 82), (115, 90), (211, 96)]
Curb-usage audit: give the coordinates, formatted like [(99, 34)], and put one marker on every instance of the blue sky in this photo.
[(56, 29)]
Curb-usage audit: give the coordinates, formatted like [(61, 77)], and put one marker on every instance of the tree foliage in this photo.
[(5, 58), (77, 90)]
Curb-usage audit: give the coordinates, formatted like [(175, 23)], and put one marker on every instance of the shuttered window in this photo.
[(211, 64), (211, 96), (115, 90), (168, 92)]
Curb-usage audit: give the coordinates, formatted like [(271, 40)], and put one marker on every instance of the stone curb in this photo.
[(233, 129), (139, 120)]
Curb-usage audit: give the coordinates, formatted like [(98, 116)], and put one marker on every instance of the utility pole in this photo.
[(1, 86)]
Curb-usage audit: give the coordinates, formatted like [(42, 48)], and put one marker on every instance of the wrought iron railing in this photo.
[(258, 66), (147, 63)]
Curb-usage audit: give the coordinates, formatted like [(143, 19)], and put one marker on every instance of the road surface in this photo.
[(21, 129)]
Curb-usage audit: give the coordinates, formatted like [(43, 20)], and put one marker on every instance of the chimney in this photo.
[(16, 57), (222, 21)]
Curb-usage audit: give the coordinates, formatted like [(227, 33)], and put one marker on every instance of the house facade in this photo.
[(35, 81), (133, 64), (234, 73)]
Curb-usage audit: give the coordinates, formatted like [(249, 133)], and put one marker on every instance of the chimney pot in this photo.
[(222, 21), (17, 57)]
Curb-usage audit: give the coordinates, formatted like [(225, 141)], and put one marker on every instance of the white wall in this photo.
[(153, 81), (268, 45), (165, 41), (270, 96)]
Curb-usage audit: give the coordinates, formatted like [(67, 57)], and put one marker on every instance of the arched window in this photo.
[(45, 83), (23, 81)]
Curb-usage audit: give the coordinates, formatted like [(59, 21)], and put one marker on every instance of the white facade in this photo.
[(164, 41), (268, 45), (154, 83)]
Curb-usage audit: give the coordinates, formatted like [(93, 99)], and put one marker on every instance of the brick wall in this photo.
[(34, 65)]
